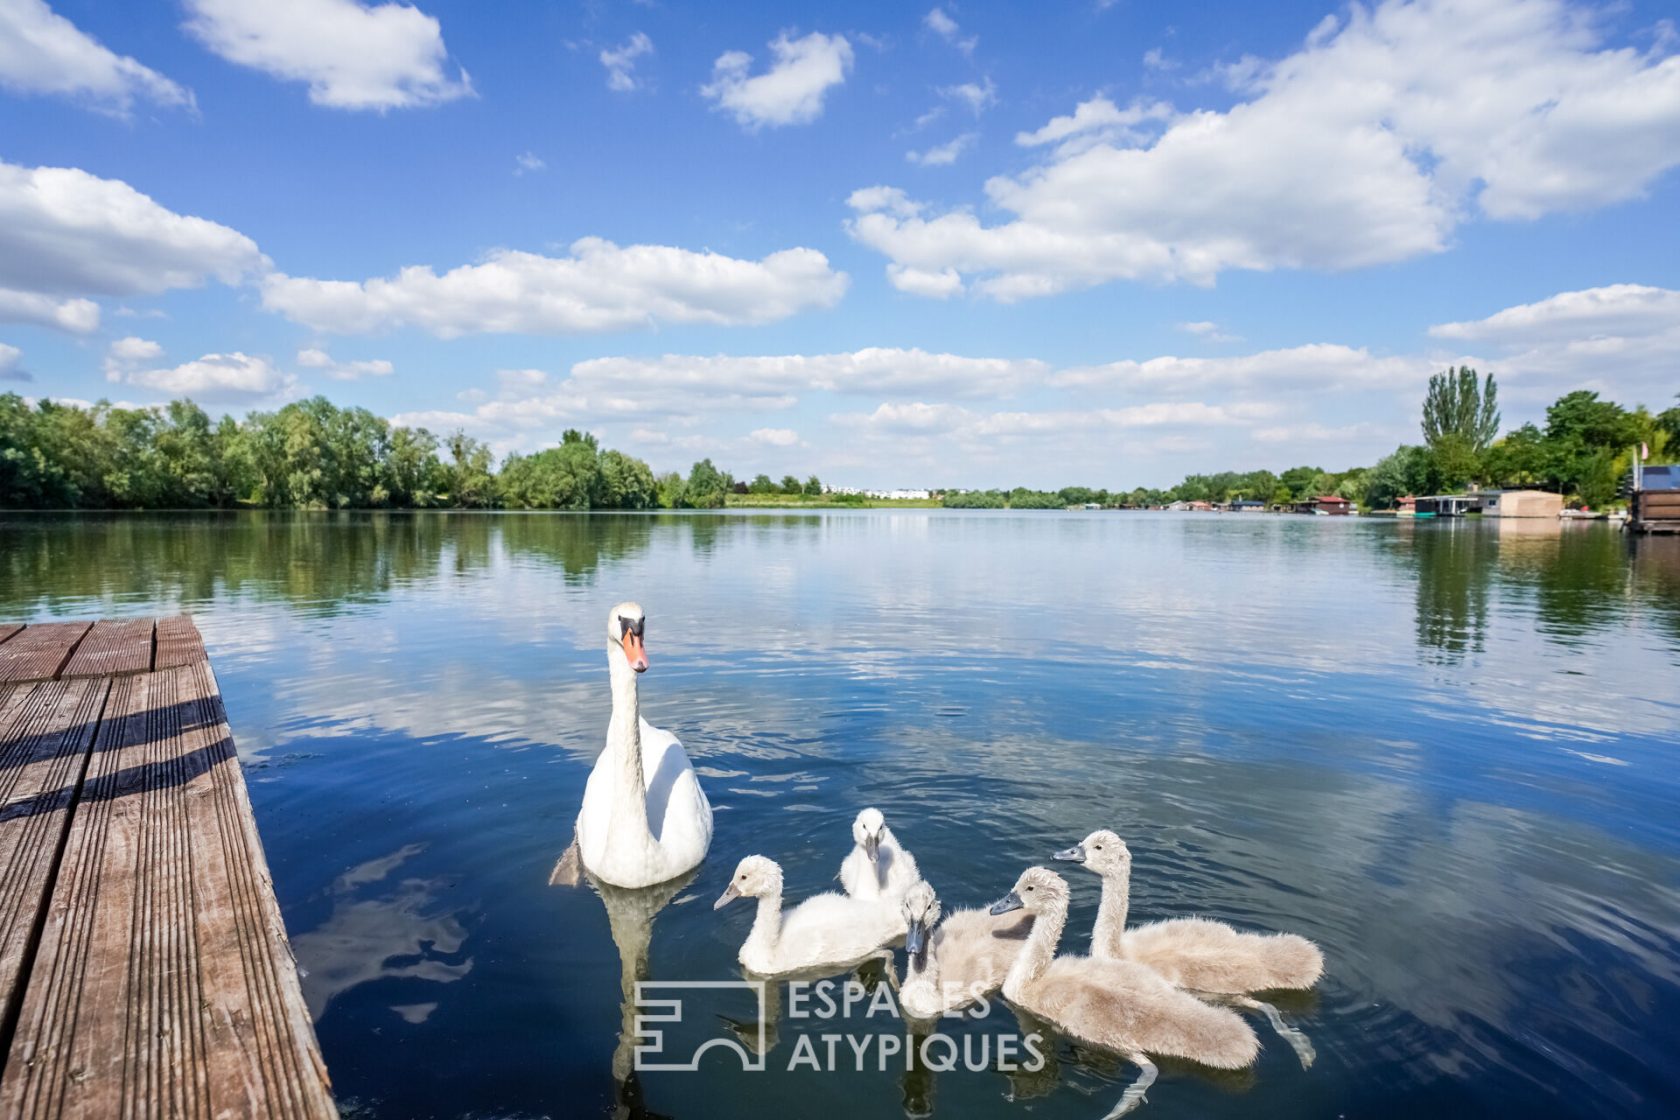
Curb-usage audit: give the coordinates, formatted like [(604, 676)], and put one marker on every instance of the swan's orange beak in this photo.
[(634, 652)]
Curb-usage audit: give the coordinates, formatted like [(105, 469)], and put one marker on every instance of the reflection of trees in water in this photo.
[(1579, 580), (576, 543), (1454, 564), (322, 561), (1656, 576)]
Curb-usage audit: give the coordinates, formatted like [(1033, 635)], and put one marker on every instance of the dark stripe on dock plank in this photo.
[(40, 651), (7, 629), (45, 732), (163, 984), (178, 643), (112, 647)]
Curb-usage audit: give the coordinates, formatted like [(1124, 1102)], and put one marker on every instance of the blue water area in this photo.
[(1445, 751)]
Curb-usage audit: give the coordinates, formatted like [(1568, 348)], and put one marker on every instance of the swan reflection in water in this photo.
[(630, 914)]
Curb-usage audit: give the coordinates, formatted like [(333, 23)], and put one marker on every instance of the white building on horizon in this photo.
[(899, 495)]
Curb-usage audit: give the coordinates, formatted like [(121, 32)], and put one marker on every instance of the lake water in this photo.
[(1444, 751)]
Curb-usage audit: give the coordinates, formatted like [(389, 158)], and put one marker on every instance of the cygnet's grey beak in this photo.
[(1075, 854), (1010, 901), (915, 938), (730, 894), (872, 847)]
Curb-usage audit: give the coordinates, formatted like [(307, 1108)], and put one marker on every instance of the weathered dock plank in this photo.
[(111, 647), (45, 732), (178, 643), (7, 629), (40, 651), (160, 982)]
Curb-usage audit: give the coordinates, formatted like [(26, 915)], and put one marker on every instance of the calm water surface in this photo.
[(1444, 751)]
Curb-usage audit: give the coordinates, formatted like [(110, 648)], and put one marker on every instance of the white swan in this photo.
[(1118, 1005), (645, 818), (957, 962), (878, 866), (1196, 953), (827, 930)]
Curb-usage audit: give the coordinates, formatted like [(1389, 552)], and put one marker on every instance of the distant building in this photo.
[(1446, 505), (1245, 505), (900, 495), (1519, 503), (1330, 504), (1655, 499)]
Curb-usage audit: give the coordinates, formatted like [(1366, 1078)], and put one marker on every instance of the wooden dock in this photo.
[(144, 968)]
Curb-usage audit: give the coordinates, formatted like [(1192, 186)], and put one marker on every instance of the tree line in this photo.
[(1584, 451), (312, 454)]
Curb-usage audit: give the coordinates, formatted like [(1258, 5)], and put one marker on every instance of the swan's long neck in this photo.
[(1109, 934), (885, 853), (624, 739), (766, 930), (1035, 956)]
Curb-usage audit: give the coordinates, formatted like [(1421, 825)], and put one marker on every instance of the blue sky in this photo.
[(975, 244)]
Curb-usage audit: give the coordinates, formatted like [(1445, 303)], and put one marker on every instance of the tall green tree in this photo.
[(1458, 405), (469, 475)]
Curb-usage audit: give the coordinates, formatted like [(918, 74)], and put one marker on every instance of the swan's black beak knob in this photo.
[(1010, 901)]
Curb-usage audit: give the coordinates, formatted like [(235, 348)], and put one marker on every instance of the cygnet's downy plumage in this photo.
[(953, 963), (826, 930)]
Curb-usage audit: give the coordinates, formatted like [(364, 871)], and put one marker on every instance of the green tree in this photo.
[(469, 475), (813, 487), (1586, 436), (1521, 459), (761, 484), (671, 490), (627, 482), (706, 486), (1408, 470), (1457, 405), (790, 485)]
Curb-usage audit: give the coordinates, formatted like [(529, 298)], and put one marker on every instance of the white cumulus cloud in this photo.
[(943, 155), (774, 437), (351, 55), (42, 52), (1621, 339), (214, 377), (64, 232), (11, 368), (791, 91), (600, 286), (78, 316), (976, 97), (315, 358), (941, 24), (621, 62), (1368, 145)]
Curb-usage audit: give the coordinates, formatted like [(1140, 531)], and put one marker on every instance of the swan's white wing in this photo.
[(679, 816)]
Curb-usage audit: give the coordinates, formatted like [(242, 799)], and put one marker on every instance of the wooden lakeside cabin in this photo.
[(1654, 501), (144, 967), (1327, 504)]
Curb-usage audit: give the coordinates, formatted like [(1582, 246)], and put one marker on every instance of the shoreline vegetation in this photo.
[(311, 454)]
